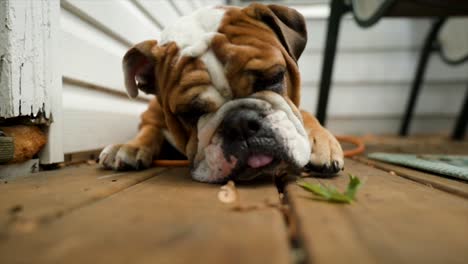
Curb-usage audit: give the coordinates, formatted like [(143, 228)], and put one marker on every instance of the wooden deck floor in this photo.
[(83, 214)]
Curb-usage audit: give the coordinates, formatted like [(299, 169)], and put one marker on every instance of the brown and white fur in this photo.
[(227, 89)]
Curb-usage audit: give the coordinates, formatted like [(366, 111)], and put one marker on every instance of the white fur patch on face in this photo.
[(193, 35), (210, 163), (214, 167), (216, 71), (287, 134)]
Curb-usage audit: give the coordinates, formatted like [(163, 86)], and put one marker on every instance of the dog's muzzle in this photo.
[(249, 137)]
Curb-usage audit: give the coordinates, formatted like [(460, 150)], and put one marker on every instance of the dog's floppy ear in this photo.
[(288, 24), (138, 67)]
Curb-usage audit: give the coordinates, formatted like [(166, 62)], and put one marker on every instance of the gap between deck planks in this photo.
[(166, 219), (395, 220)]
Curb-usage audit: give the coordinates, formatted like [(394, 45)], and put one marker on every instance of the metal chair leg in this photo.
[(419, 76), (337, 9), (462, 121)]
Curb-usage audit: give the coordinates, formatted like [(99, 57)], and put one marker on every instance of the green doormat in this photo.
[(454, 166)]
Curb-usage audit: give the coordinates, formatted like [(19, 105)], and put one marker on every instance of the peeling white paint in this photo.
[(30, 78), (26, 47)]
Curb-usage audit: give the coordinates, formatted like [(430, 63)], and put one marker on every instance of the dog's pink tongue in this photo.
[(259, 160)]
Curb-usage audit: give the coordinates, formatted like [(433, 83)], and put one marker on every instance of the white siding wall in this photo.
[(374, 69)]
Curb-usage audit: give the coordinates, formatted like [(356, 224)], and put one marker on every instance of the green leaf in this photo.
[(353, 186), (317, 189), (330, 193)]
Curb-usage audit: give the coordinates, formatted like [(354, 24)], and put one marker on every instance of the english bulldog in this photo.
[(227, 91)]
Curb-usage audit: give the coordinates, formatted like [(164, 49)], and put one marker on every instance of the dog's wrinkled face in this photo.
[(245, 137), (228, 84)]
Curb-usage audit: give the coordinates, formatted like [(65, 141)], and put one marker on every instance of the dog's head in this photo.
[(227, 81)]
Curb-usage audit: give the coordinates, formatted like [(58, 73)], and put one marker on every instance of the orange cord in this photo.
[(360, 147), (171, 163), (348, 153)]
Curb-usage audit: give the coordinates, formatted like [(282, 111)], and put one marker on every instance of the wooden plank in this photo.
[(394, 221), (121, 18), (14, 170), (27, 203), (79, 157), (167, 219), (453, 186)]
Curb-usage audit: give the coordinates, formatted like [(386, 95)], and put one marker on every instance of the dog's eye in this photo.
[(271, 83)]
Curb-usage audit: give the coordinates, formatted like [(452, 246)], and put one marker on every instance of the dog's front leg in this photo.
[(139, 152), (326, 152)]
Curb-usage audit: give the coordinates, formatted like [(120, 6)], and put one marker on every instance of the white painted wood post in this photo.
[(30, 77)]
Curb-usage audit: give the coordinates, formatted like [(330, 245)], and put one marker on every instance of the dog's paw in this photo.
[(125, 157), (327, 155)]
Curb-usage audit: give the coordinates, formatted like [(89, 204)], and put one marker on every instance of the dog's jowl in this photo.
[(227, 94)]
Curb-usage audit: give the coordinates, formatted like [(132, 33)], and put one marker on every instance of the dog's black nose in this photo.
[(241, 124)]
